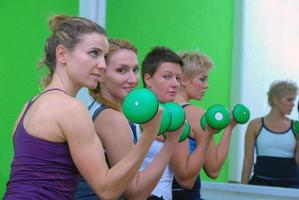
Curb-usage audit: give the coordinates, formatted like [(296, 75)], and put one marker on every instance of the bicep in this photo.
[(115, 133), (250, 138), (179, 158), (85, 147)]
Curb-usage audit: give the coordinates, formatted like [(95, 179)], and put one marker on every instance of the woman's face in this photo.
[(195, 87), (285, 104), (121, 75), (86, 63), (165, 81)]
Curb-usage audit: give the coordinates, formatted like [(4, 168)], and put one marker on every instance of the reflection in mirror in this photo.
[(265, 49)]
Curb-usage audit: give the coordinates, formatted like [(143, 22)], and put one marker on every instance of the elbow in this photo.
[(186, 184), (213, 174), (107, 194)]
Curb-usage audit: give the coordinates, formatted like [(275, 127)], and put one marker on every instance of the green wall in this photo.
[(181, 25), (23, 30)]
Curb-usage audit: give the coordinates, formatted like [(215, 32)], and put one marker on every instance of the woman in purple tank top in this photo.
[(55, 138)]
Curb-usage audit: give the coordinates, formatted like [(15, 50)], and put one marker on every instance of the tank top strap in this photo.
[(45, 92), (32, 101), (263, 122), (185, 105)]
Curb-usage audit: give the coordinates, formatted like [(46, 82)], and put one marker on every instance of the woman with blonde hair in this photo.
[(274, 141)]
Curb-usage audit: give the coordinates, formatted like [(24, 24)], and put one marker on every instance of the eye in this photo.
[(122, 70), (94, 53), (136, 69), (167, 77), (203, 79), (178, 78)]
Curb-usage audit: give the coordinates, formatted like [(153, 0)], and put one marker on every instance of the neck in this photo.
[(275, 115), (109, 97), (182, 97), (59, 82)]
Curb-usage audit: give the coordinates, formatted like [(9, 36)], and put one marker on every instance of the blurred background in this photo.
[(251, 42)]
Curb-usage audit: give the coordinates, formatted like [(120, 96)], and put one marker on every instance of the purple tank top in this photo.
[(40, 169)]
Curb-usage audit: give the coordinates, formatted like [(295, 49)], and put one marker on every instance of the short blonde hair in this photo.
[(194, 63), (280, 89)]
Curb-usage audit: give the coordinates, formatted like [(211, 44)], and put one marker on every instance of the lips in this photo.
[(174, 93), (129, 88), (96, 76)]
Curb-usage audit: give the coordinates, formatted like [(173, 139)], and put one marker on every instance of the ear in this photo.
[(147, 79), (61, 54), (184, 80), (275, 100)]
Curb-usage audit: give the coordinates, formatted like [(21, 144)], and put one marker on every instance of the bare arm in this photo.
[(87, 152), (250, 136), (118, 144), (186, 166), (297, 149), (216, 154)]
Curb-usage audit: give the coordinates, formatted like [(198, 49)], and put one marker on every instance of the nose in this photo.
[(101, 63), (133, 77), (205, 85), (175, 83)]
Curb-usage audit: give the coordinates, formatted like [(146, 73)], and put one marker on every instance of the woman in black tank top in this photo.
[(117, 135)]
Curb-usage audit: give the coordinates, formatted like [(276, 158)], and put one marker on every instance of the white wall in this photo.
[(266, 49)]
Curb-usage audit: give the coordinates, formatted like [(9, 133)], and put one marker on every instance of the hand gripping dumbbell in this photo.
[(141, 105), (177, 119), (218, 116)]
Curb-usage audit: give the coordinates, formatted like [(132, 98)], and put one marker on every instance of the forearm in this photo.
[(189, 166), (297, 150), (246, 173), (222, 150), (146, 180)]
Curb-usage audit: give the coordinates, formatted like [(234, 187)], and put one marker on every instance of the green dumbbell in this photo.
[(178, 115), (140, 105), (166, 120), (296, 126), (216, 117), (186, 131), (241, 114), (184, 134)]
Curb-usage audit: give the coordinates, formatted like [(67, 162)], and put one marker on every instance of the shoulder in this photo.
[(256, 123), (254, 126), (109, 114), (111, 119), (193, 110)]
